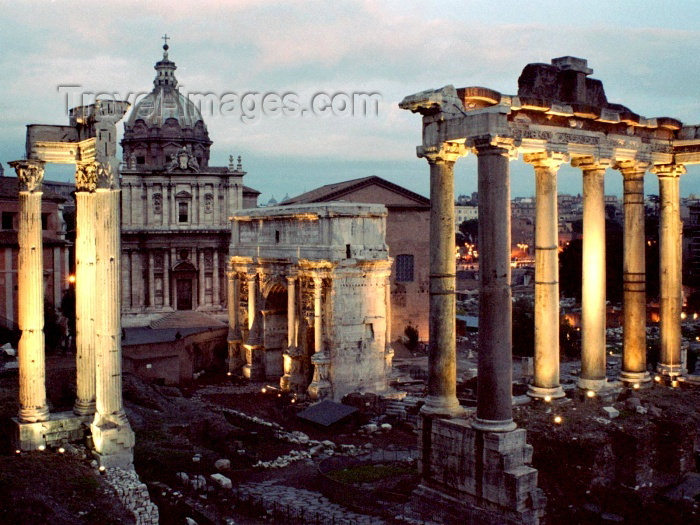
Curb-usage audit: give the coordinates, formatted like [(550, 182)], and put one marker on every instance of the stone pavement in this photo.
[(289, 504)]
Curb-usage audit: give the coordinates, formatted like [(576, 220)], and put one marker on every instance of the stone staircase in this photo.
[(186, 319)]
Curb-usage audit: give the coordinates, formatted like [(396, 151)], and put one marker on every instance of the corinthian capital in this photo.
[(30, 174), (631, 167), (445, 152), (668, 170), (86, 176), (107, 175)]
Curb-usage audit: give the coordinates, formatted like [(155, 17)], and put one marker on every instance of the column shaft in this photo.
[(593, 310), (202, 280), (494, 393), (166, 278), (634, 364), (30, 295), (252, 292), (670, 272), (291, 312), (151, 280), (546, 370), (318, 320), (107, 318), (215, 278), (85, 254)]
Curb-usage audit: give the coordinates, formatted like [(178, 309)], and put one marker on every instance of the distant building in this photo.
[(57, 250), (465, 212), (175, 207), (407, 235)]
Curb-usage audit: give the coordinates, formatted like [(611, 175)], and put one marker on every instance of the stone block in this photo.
[(222, 481), (610, 412), (505, 441), (222, 464), (60, 428)]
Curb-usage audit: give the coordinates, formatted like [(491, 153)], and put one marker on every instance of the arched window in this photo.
[(404, 268)]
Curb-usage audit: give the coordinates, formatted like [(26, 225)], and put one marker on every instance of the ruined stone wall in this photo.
[(133, 494)]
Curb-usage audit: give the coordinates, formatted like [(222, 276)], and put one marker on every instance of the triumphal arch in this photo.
[(560, 115), (89, 142), (309, 298)]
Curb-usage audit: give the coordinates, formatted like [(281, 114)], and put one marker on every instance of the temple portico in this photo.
[(309, 298), (559, 115), (89, 142)]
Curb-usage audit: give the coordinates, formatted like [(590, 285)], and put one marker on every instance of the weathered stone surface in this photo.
[(610, 412), (222, 481)]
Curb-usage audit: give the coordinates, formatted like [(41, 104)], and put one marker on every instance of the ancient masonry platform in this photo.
[(289, 504), (133, 494), (482, 476)]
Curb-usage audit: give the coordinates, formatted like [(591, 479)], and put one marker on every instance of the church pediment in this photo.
[(183, 195)]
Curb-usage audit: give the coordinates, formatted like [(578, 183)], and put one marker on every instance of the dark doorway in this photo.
[(184, 294)]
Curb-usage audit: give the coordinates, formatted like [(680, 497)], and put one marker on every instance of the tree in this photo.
[(470, 230), (523, 327)]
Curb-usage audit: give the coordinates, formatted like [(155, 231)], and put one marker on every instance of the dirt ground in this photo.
[(592, 469)]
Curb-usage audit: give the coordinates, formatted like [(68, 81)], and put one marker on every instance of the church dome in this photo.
[(164, 122)]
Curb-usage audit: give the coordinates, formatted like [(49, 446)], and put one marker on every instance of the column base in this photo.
[(34, 414), (114, 444), (670, 370), (596, 385), (254, 368), (235, 361), (62, 427), (490, 425), (442, 406), (84, 408), (470, 476), (540, 392), (630, 379)]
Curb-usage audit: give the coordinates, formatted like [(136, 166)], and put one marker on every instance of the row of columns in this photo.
[(98, 339), (292, 380), (494, 405)]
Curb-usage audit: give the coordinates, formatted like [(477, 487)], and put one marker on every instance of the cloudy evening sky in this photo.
[(646, 53)]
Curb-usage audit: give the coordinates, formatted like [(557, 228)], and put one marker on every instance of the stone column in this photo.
[(546, 373), (634, 350), (202, 281), (593, 310), (293, 379), (151, 280), (494, 410), (254, 367), (30, 294), (234, 337), (112, 435), (166, 278), (320, 386), (670, 293), (389, 351), (216, 296), (85, 285), (442, 357), (216, 205)]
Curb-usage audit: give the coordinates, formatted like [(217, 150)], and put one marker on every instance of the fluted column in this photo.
[(634, 349), (151, 280), (546, 371), (30, 294), (593, 309), (670, 254), (234, 337), (494, 411), (320, 386), (216, 299), (252, 293), (202, 281), (107, 320), (291, 312), (442, 356), (293, 379), (388, 351), (85, 285), (166, 278)]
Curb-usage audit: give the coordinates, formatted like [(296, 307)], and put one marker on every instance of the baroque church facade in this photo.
[(175, 207)]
